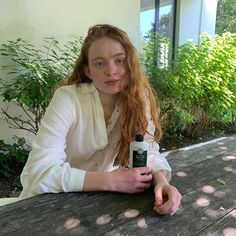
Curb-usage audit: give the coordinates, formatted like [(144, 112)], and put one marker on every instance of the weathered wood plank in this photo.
[(224, 226), (129, 214), (211, 149), (205, 203), (183, 159), (191, 177), (120, 206), (199, 210)]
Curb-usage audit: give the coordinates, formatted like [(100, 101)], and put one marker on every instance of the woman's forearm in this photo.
[(96, 181), (160, 177), (121, 180)]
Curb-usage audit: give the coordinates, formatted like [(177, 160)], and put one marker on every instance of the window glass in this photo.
[(147, 17), (158, 16), (166, 29), (166, 19)]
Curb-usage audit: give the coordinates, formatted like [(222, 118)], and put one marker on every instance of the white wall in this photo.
[(195, 17), (36, 19), (209, 8)]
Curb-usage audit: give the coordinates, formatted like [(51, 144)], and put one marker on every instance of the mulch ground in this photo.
[(10, 187)]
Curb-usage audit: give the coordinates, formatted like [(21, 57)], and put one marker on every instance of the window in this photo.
[(147, 17), (159, 16)]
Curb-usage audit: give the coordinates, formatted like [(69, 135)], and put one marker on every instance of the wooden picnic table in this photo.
[(205, 175)]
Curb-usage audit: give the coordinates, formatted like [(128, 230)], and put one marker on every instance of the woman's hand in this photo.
[(167, 199), (132, 180)]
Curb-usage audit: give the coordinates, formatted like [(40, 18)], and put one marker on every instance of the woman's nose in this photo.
[(110, 69)]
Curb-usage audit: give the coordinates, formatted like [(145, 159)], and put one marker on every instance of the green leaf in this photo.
[(221, 181)]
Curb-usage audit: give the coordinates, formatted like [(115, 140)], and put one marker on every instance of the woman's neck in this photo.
[(108, 103)]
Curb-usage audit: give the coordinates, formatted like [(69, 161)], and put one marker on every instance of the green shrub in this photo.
[(200, 88), (33, 73), (13, 157)]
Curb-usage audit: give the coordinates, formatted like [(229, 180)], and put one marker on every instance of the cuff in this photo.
[(76, 180)]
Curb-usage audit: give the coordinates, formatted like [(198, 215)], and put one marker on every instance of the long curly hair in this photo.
[(135, 96)]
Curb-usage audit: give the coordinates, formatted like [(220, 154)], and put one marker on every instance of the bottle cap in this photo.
[(139, 138)]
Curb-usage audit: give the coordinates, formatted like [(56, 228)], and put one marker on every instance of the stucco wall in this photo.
[(209, 16), (195, 17), (37, 19)]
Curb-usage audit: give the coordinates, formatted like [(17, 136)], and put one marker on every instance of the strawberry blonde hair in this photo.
[(135, 95)]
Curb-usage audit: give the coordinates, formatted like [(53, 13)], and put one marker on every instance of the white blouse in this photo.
[(72, 139)]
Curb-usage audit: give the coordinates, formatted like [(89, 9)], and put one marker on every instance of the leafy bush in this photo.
[(13, 157), (225, 16), (35, 73), (201, 87)]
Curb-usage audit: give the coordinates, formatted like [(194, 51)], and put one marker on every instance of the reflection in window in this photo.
[(159, 16), (166, 19), (147, 17)]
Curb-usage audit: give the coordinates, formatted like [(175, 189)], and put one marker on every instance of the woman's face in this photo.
[(106, 65)]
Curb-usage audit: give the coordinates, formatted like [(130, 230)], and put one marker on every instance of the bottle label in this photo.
[(139, 158)]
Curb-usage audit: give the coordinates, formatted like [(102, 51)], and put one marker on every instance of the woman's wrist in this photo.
[(96, 181), (159, 177), (110, 181)]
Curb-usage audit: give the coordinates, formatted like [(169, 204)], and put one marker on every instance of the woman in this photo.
[(83, 141)]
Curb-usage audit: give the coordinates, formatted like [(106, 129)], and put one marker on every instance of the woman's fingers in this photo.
[(142, 174), (141, 182), (171, 205), (145, 178), (167, 208), (132, 180), (144, 185), (143, 170)]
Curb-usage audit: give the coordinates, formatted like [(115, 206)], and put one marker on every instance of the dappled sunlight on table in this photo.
[(228, 169), (223, 148), (229, 232), (220, 143), (71, 223), (232, 214), (142, 224), (104, 219), (228, 158), (219, 194), (208, 189), (205, 175), (181, 174), (202, 202), (131, 213)]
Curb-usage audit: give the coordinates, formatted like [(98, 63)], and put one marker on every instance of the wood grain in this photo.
[(208, 207)]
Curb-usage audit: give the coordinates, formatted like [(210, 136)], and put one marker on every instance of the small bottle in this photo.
[(138, 152)]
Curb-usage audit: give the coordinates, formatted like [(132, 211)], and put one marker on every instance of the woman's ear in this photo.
[(87, 71)]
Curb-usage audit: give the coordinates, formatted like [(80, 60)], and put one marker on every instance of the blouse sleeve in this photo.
[(156, 161), (46, 169)]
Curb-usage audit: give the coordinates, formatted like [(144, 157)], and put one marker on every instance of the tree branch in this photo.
[(26, 112), (18, 123)]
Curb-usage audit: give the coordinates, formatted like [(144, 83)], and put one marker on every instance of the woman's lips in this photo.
[(111, 82)]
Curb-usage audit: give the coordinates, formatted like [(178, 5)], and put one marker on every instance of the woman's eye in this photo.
[(99, 63), (119, 61)]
